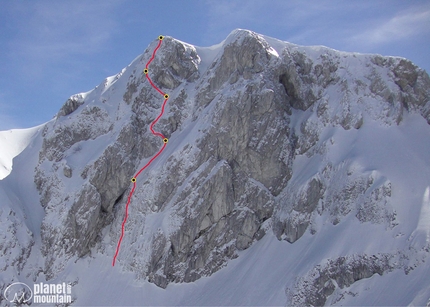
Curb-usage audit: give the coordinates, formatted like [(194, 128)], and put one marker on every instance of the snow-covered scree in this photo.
[(293, 175)]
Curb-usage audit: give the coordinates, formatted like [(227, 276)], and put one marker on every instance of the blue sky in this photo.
[(53, 49)]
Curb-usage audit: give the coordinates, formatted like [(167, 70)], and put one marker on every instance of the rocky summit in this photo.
[(300, 172)]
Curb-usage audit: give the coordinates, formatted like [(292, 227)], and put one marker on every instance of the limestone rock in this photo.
[(324, 279), (239, 123)]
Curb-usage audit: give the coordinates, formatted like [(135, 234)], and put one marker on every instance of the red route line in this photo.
[(149, 62), (151, 127), (153, 85), (156, 120)]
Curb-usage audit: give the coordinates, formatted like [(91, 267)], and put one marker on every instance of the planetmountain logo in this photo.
[(21, 293), (18, 293)]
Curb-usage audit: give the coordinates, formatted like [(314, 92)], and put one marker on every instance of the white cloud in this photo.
[(45, 46), (339, 24), (405, 25), (52, 40), (299, 21), (53, 30)]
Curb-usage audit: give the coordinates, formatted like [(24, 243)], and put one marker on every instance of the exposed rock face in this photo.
[(226, 178), (16, 248), (323, 280)]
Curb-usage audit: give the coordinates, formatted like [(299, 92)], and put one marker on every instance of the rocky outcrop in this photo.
[(320, 282), (16, 241)]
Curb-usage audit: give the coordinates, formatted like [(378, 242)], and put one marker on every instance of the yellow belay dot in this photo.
[(133, 179), (165, 140), (145, 71)]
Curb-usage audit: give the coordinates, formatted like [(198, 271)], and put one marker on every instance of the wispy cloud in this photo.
[(297, 21), (51, 33), (407, 24), (55, 29), (47, 49), (336, 23)]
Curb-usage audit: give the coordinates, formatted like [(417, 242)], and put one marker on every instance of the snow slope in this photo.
[(12, 143), (267, 272), (350, 141)]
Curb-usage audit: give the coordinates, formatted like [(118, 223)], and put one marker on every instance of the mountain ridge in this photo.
[(267, 141)]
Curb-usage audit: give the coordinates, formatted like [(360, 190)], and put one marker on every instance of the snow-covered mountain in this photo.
[(292, 176)]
